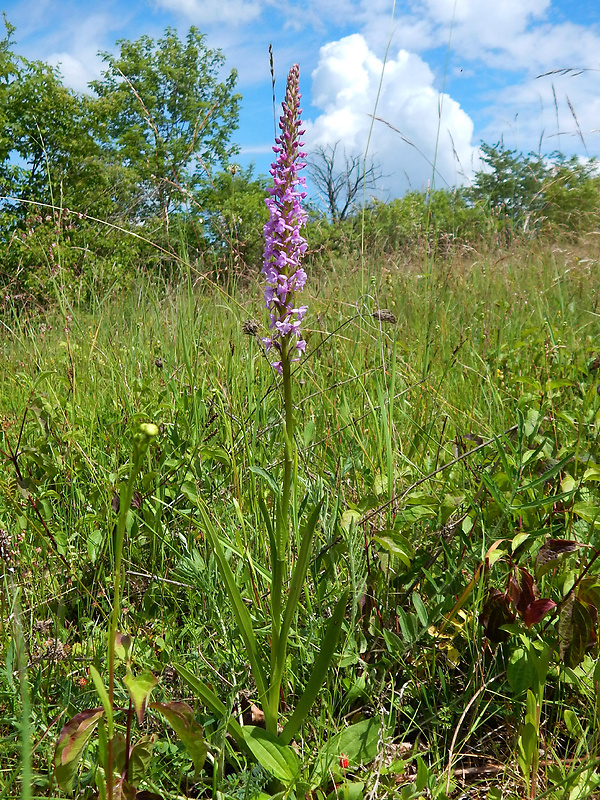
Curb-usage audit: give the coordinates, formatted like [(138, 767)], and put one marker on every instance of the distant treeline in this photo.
[(139, 174)]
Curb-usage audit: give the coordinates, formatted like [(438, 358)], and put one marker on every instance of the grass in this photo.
[(436, 444)]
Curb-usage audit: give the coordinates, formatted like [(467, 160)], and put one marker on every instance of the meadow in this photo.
[(446, 460), (329, 531)]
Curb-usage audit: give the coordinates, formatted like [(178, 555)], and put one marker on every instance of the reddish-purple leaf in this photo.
[(576, 630), (529, 591), (552, 550), (589, 591), (536, 610), (181, 718), (496, 612), (513, 590)]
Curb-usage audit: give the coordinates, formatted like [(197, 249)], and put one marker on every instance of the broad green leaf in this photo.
[(420, 609), (526, 748), (397, 545), (358, 743), (422, 775), (591, 474), (73, 737), (266, 476), (348, 790), (588, 512), (573, 725), (272, 754), (139, 688), (350, 517), (181, 718), (520, 671)]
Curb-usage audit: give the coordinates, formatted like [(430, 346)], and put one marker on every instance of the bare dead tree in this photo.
[(340, 185)]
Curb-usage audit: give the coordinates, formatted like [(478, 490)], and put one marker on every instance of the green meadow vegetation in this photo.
[(377, 576)]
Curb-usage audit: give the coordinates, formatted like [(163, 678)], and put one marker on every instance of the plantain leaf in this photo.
[(357, 743)]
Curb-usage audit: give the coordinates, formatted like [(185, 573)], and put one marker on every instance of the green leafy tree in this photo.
[(233, 212), (167, 117), (511, 185), (571, 196), (535, 194)]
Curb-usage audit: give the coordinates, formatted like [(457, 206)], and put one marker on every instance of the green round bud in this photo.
[(149, 430)]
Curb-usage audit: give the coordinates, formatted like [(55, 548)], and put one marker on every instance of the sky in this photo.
[(417, 85)]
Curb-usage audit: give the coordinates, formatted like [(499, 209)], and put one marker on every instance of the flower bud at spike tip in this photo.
[(284, 244)]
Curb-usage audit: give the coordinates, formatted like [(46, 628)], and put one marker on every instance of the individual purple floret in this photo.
[(284, 244)]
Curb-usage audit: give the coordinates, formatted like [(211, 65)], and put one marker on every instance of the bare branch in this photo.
[(340, 186)]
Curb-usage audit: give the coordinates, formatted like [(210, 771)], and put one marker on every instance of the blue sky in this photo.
[(440, 76)]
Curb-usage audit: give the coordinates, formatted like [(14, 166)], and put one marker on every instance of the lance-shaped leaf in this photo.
[(181, 718), (73, 737), (139, 688), (295, 590), (550, 552), (242, 615), (319, 671), (208, 698), (102, 694)]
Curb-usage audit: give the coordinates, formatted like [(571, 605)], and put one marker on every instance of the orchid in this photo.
[(284, 244)]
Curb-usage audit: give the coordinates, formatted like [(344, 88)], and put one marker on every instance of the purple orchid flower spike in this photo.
[(284, 244)]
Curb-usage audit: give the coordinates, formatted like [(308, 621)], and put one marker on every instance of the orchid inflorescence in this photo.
[(284, 244)]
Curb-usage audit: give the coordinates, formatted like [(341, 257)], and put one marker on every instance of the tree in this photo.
[(511, 185), (340, 185), (537, 193), (233, 212), (167, 117)]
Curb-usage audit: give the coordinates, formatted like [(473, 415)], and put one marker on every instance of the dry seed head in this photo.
[(251, 327), (384, 315)]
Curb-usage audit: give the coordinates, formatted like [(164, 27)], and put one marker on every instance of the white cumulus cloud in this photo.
[(415, 126), (208, 12)]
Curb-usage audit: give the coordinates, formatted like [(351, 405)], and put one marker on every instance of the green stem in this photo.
[(281, 543), (141, 442)]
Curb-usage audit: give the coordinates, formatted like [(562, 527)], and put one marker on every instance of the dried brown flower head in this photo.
[(384, 315)]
